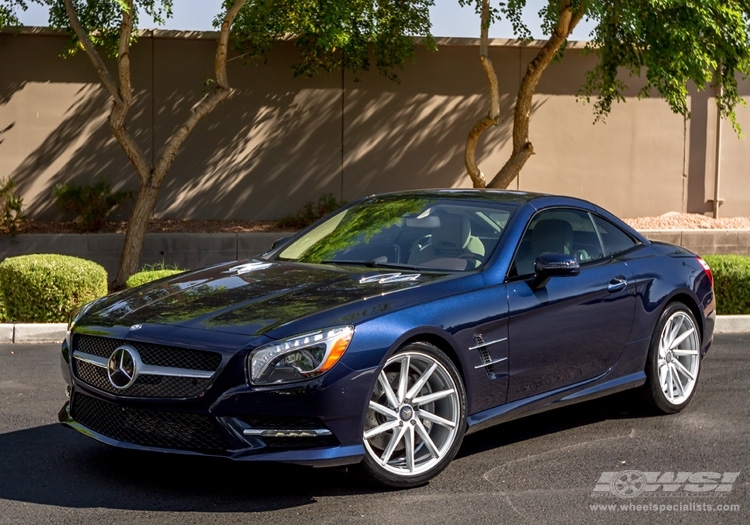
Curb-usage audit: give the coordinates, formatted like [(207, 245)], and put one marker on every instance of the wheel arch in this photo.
[(691, 304), (441, 343)]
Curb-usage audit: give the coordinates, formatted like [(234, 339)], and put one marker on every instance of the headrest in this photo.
[(453, 234), (551, 236)]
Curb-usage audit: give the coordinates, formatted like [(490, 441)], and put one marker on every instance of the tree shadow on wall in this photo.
[(80, 149), (277, 143), (270, 149), (5, 130)]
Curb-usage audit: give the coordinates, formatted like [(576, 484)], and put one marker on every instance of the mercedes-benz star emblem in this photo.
[(122, 368)]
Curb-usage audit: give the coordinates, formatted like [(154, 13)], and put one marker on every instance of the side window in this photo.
[(613, 238), (558, 230)]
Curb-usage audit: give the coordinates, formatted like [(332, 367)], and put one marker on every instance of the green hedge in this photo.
[(3, 314), (731, 283), (147, 276), (46, 288)]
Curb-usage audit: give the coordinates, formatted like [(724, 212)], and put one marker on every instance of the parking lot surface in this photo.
[(604, 461)]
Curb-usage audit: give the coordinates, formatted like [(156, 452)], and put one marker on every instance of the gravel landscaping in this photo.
[(668, 221), (688, 221)]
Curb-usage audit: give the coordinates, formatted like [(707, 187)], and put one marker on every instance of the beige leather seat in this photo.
[(452, 240)]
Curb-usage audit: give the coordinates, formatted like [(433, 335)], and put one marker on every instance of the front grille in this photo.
[(145, 386), (157, 355), (158, 386), (148, 428)]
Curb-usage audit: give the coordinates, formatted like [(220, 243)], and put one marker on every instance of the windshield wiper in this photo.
[(333, 261), (375, 264)]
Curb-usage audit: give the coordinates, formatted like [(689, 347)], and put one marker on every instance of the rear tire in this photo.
[(416, 418), (673, 363)]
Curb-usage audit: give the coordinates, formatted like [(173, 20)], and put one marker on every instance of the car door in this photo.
[(572, 328)]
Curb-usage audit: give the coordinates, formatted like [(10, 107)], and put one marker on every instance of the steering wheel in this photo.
[(478, 259)]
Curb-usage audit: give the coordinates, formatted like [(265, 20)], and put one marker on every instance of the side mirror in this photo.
[(553, 265)]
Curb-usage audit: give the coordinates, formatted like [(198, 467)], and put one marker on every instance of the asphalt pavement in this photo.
[(26, 333), (575, 465)]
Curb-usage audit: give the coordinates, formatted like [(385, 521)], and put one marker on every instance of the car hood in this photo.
[(250, 298)]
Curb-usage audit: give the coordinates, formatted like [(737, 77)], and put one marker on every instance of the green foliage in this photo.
[(336, 33), (146, 276), (161, 265), (665, 44), (311, 212), (9, 11), (3, 314), (731, 283), (676, 42), (362, 222), (11, 208), (90, 204), (102, 19), (152, 272), (47, 288)]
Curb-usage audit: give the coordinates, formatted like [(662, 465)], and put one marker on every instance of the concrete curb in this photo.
[(732, 324), (27, 333)]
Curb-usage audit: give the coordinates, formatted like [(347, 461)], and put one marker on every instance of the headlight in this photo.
[(300, 357)]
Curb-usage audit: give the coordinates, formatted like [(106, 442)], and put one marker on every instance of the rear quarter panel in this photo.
[(665, 273)]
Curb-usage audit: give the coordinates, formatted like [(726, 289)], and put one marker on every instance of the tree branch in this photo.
[(123, 54), (122, 98), (220, 92), (493, 116), (96, 60), (522, 147)]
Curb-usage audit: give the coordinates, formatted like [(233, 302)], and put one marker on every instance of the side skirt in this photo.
[(587, 390)]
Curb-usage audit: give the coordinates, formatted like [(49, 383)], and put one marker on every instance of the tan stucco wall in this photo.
[(281, 141)]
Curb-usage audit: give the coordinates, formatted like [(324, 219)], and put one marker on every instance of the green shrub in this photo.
[(46, 288), (90, 204), (152, 272), (731, 283), (311, 212), (3, 314), (146, 276), (11, 208)]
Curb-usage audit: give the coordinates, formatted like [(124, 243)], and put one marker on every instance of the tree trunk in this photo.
[(493, 116), (151, 177), (135, 234), (522, 147)]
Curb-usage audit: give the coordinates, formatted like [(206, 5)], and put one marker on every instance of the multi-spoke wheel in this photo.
[(674, 359), (416, 417)]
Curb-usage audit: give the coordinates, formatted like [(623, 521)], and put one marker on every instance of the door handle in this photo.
[(617, 284)]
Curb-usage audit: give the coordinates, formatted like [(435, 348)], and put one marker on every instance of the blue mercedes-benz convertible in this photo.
[(383, 333)]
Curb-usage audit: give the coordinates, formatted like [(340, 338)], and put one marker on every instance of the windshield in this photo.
[(405, 231)]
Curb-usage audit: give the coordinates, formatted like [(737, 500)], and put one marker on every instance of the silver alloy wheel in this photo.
[(679, 357), (414, 415)]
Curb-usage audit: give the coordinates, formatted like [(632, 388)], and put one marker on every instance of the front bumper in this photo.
[(313, 422), (318, 423), (317, 456)]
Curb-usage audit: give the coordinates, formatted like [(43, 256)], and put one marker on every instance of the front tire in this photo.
[(674, 360), (416, 417)]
